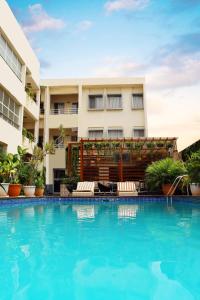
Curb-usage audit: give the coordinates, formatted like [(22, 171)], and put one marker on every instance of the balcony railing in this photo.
[(61, 111)]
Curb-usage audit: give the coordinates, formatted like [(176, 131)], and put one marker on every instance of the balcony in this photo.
[(67, 117), (32, 107), (69, 111)]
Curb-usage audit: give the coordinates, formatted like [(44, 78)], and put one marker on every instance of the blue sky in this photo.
[(159, 39)]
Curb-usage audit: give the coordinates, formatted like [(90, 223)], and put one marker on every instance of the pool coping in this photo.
[(8, 201)]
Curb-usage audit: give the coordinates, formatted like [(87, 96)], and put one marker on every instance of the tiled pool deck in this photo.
[(96, 200)]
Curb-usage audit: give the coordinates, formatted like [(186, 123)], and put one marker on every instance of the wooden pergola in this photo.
[(117, 159)]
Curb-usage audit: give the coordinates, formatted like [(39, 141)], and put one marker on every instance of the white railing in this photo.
[(62, 111), (59, 142)]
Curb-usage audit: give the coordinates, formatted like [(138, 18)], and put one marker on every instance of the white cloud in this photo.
[(117, 5), (117, 67), (40, 20), (84, 25), (174, 72)]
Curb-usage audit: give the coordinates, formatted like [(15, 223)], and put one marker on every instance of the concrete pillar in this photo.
[(36, 131), (46, 134), (145, 111), (46, 114), (80, 94)]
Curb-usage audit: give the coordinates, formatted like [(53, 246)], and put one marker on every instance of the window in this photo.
[(115, 133), (9, 109), (74, 108), (95, 134), (9, 56), (96, 102), (137, 101), (114, 102), (59, 108), (138, 132)]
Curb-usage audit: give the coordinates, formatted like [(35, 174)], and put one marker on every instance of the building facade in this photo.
[(110, 108), (19, 85), (31, 111)]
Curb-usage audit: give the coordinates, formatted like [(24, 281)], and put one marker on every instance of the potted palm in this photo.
[(13, 163), (193, 167), (161, 174), (39, 182), (27, 178)]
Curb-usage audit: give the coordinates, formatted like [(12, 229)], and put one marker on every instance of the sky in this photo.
[(157, 39)]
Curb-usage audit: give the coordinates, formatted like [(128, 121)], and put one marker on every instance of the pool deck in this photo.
[(97, 200)]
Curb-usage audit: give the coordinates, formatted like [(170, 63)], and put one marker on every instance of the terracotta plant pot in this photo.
[(166, 188), (14, 190), (29, 190), (195, 189), (39, 192)]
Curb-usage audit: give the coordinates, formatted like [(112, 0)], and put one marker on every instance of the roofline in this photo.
[(92, 81)]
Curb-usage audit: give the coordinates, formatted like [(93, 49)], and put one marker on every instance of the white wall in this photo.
[(15, 35), (10, 136), (127, 118)]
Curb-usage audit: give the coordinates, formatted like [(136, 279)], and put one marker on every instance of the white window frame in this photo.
[(9, 109), (137, 106), (138, 128), (108, 107), (96, 96), (93, 129), (11, 58), (115, 129)]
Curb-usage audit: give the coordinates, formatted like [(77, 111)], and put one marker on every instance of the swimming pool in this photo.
[(68, 250)]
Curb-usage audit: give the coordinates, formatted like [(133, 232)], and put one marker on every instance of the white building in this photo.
[(86, 108), (89, 108), (19, 71)]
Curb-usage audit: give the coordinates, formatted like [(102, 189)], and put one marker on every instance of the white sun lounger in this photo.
[(84, 189), (126, 189)]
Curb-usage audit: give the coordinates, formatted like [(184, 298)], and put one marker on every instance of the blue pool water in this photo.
[(102, 251)]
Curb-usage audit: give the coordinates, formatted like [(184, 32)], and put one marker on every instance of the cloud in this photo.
[(84, 25), (118, 67), (175, 71), (40, 20), (117, 5)]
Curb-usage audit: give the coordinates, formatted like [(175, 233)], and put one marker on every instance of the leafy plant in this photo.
[(27, 174), (163, 171), (150, 145), (193, 167), (28, 135), (71, 182), (39, 181)]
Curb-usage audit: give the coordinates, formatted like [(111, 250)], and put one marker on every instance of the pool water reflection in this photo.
[(100, 251)]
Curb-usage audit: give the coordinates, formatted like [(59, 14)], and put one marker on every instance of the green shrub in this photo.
[(193, 167), (162, 172)]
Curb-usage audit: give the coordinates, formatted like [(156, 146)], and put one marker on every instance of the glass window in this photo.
[(138, 132), (9, 109), (137, 101), (59, 108), (96, 102), (2, 47), (95, 133), (9, 56), (114, 101), (115, 133)]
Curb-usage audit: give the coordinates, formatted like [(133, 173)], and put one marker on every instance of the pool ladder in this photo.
[(174, 187)]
